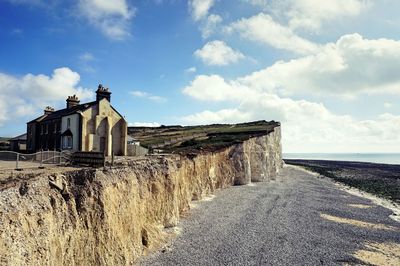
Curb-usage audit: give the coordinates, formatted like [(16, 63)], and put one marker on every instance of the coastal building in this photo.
[(18, 143), (132, 141), (94, 126)]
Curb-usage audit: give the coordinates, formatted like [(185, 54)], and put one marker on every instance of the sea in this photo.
[(387, 158)]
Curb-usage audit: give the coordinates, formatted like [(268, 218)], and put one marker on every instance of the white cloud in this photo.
[(221, 116), (307, 126), (146, 95), (157, 99), (218, 53), (23, 96), (215, 88), (351, 66), (144, 124), (199, 8), (85, 61), (100, 8), (210, 25), (263, 29), (387, 105), (111, 17), (191, 70), (311, 14), (86, 57), (139, 94)]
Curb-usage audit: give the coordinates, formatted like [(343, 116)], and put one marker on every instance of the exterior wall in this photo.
[(18, 145), (31, 137), (103, 130), (44, 135), (74, 127), (136, 150)]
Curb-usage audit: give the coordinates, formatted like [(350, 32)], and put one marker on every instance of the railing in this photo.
[(13, 160)]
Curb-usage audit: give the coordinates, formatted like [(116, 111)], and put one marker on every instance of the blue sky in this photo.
[(329, 72)]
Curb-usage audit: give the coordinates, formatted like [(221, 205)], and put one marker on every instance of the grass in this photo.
[(199, 138)]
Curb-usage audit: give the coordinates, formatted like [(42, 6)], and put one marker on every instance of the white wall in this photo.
[(74, 127)]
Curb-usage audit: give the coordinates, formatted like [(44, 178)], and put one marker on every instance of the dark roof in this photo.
[(38, 119), (63, 112), (67, 133), (69, 111), (130, 138), (20, 137)]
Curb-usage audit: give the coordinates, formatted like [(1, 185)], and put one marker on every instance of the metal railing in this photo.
[(13, 160)]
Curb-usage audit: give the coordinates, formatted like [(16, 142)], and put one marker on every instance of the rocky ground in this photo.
[(299, 219), (379, 179)]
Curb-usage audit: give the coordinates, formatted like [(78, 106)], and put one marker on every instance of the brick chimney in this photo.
[(72, 101), (102, 93), (48, 110)]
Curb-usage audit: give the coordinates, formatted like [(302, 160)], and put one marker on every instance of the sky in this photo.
[(329, 71)]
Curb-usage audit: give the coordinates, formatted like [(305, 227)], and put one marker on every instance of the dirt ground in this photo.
[(11, 165)]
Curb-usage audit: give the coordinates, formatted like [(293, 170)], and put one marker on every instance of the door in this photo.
[(102, 144)]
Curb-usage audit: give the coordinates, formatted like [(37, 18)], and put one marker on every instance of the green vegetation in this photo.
[(178, 139)]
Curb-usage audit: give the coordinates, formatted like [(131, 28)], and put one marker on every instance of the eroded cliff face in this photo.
[(111, 217)]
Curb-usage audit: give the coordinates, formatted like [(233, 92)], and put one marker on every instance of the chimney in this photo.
[(48, 110), (102, 93), (72, 101)]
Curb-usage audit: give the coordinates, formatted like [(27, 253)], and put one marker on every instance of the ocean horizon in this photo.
[(387, 158)]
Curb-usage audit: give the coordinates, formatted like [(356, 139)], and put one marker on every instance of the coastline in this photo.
[(376, 182), (379, 158)]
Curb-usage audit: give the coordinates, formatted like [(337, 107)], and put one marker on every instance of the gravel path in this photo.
[(297, 220)]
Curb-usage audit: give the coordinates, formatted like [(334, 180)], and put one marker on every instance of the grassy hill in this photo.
[(179, 139)]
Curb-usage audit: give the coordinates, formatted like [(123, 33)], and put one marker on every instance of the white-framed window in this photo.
[(68, 142)]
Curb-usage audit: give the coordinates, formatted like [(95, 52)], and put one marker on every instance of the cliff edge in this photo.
[(113, 216)]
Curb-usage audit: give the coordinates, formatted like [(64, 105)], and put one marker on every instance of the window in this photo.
[(68, 142), (68, 122), (55, 127), (47, 128), (41, 129)]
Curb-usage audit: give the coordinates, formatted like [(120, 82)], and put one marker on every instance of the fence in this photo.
[(18, 161), (88, 158)]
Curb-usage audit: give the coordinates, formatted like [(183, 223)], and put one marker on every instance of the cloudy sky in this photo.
[(328, 70)]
